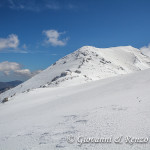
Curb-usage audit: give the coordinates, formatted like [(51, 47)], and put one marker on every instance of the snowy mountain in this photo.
[(84, 65), (45, 118)]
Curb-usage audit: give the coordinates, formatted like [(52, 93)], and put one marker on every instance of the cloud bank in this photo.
[(13, 71), (53, 38)]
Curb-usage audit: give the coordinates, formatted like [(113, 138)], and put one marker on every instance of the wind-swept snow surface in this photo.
[(43, 118), (84, 65)]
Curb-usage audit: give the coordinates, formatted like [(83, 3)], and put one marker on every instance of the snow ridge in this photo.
[(84, 65)]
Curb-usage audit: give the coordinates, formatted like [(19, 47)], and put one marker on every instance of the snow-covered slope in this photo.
[(43, 118), (86, 64)]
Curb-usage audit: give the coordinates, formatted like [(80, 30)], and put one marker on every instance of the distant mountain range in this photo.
[(4, 86)]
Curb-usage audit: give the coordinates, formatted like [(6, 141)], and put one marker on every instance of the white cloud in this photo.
[(23, 5), (37, 6), (6, 67), (31, 5), (11, 41), (24, 72), (53, 38), (11, 44), (146, 50), (13, 70)]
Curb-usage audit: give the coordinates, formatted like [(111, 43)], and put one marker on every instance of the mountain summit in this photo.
[(84, 65)]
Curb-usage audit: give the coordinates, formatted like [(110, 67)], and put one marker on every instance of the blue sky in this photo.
[(36, 33)]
